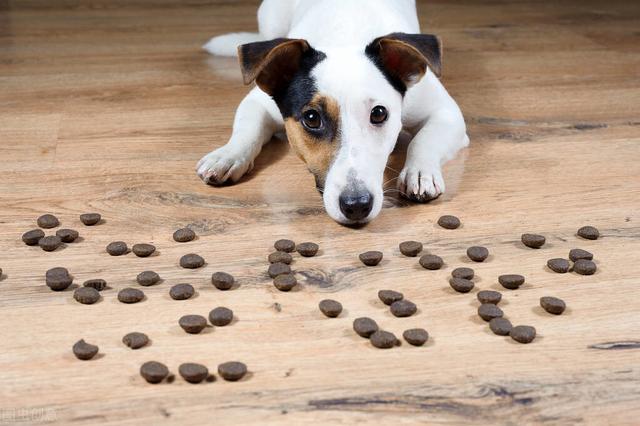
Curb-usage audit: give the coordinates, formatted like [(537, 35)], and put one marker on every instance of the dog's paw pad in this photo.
[(221, 166), (421, 184)]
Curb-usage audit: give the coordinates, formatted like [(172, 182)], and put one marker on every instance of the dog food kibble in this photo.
[(330, 308), (287, 246), (578, 254), (67, 235), (489, 296), (364, 326), (410, 248), (431, 262), (97, 283), (222, 280), (511, 281), (143, 250), (523, 333), (90, 219), (559, 265), (403, 308), (86, 295), (130, 295), (489, 311), (589, 233), (181, 291), (370, 258), (276, 269), (466, 273), (154, 372), (84, 351), (584, 267), (280, 257), (449, 222), (221, 316), (32, 237), (383, 339), (461, 285), (307, 249), (285, 282), (477, 253), (135, 340), (58, 279), (192, 372), (147, 278), (389, 296), (553, 305), (50, 243), (117, 248), (193, 324), (184, 235), (232, 371), (533, 240), (416, 336), (500, 326), (191, 261), (48, 221)]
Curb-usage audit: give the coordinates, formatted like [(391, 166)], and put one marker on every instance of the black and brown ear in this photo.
[(272, 64), (404, 58)]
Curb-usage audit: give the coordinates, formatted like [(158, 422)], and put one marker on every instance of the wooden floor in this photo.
[(107, 105)]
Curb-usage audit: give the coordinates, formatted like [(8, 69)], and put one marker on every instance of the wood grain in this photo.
[(107, 105)]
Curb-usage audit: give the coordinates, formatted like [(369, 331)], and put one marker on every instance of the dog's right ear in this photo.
[(272, 64)]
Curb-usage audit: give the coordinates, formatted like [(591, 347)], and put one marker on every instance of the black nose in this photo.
[(356, 205)]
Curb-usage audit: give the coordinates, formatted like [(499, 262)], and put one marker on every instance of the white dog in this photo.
[(342, 78)]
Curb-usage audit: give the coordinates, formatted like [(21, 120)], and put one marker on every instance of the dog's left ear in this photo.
[(404, 58)]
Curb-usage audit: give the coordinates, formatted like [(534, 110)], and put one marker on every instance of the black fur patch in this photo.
[(302, 88)]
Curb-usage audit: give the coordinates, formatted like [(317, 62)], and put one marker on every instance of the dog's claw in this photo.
[(421, 184), (223, 166)]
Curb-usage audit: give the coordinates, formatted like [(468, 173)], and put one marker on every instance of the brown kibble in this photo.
[(192, 372), (511, 281), (466, 273), (280, 257), (184, 235), (221, 316), (489, 296), (32, 237), (276, 269), (416, 336), (370, 258), (191, 261), (553, 305), (449, 222), (232, 371), (222, 280), (431, 262), (143, 250), (364, 326), (90, 219), (50, 243), (461, 285), (96, 283), (84, 351), (48, 221), (67, 235), (193, 324), (147, 278), (390, 296), (589, 233), (86, 295), (182, 291), (489, 311), (130, 295), (307, 249), (523, 333), (477, 253), (285, 282), (403, 308), (584, 267), (58, 279), (117, 248), (533, 240), (383, 339), (135, 340), (287, 246), (410, 248), (154, 372), (500, 326), (559, 265), (578, 254), (330, 308)]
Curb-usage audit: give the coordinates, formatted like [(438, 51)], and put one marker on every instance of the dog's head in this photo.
[(342, 109)]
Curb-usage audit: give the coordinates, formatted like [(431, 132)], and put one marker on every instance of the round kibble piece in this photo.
[(86, 295), (280, 257), (67, 235), (331, 308), (276, 269), (523, 333), (135, 340), (285, 245), (117, 248), (410, 248), (383, 339), (232, 371), (307, 249), (584, 267), (130, 295), (553, 305), (221, 316), (58, 279), (461, 285), (147, 278), (489, 311), (182, 291), (500, 326), (154, 372), (416, 336), (84, 351), (50, 243), (577, 254), (511, 281), (489, 296), (192, 372), (97, 284), (589, 233), (533, 240), (48, 221), (477, 253), (184, 235), (191, 261), (285, 282), (431, 262), (364, 326), (466, 273), (559, 265), (370, 258), (143, 250), (390, 296), (32, 237), (449, 222), (193, 324), (90, 219), (403, 308), (222, 280)]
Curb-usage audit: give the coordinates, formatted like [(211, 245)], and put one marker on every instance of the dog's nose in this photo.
[(356, 205)]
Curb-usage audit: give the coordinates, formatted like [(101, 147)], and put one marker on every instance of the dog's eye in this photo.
[(378, 115), (311, 119)]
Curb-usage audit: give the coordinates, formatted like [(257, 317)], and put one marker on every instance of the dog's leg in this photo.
[(440, 134), (257, 119)]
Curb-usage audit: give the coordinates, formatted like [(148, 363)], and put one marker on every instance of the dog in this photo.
[(342, 78)]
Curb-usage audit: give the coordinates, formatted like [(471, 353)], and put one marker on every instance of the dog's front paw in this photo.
[(421, 184), (223, 166)]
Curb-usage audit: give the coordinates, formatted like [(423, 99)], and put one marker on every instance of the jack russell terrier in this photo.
[(342, 78)]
